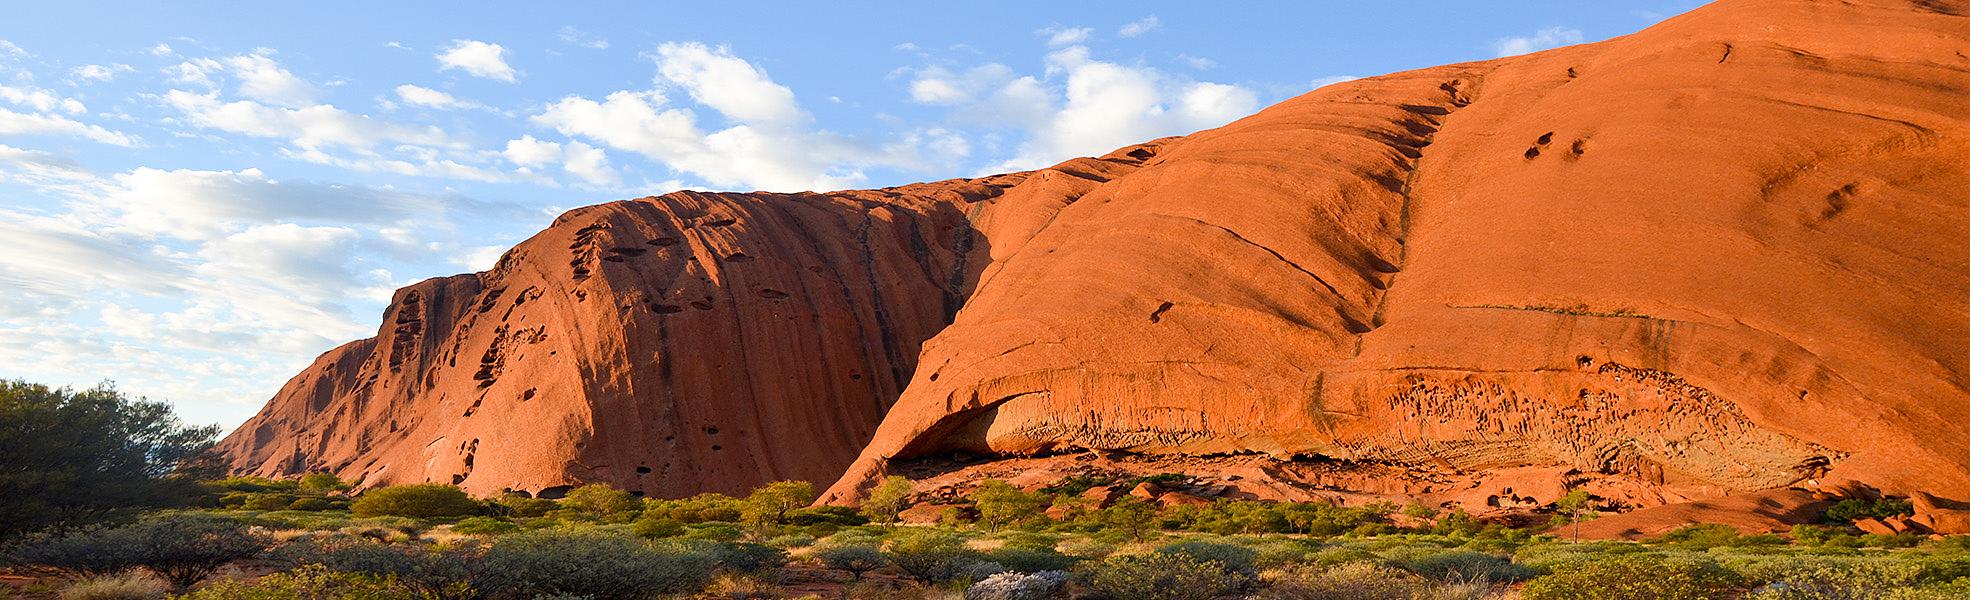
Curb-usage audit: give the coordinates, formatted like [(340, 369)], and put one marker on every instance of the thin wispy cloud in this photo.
[(1544, 39)]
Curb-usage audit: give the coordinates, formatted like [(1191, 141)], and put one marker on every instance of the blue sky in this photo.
[(197, 199)]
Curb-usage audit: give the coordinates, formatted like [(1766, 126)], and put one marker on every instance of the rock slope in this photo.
[(1729, 253)]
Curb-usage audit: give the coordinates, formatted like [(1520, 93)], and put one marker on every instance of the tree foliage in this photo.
[(71, 457), (888, 499)]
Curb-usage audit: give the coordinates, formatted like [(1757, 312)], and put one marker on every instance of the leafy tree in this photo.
[(1001, 504), (600, 501), (1132, 515), (888, 499), (1572, 509), (768, 506), (418, 501), (73, 457)]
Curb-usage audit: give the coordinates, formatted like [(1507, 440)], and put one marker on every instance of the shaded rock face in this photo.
[(669, 345), (1728, 253)]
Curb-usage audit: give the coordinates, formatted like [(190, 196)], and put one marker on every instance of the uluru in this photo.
[(1725, 257)]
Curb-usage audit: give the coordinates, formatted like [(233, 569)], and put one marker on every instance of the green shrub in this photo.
[(320, 483), (130, 585), (856, 560), (417, 501), (1633, 577), (655, 526), (1704, 536), (1468, 566), (738, 557), (714, 531), (1000, 504), (183, 548), (268, 501), (1232, 557), (600, 502), (1031, 560), (1351, 581), (931, 555), (309, 582), (250, 483), (311, 504), (597, 565), (88, 552), (1163, 576), (1854, 509), (1813, 535), (841, 516), (484, 526), (792, 540), (1899, 540), (1340, 556), (1087, 547), (698, 509), (888, 499), (515, 505), (437, 572)]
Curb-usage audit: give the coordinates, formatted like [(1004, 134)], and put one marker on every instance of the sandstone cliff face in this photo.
[(1728, 253), (670, 345)]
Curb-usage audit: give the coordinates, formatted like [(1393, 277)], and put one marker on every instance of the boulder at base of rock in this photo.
[(1940, 516)]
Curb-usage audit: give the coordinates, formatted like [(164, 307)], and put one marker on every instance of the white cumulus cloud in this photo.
[(99, 73), (480, 59)]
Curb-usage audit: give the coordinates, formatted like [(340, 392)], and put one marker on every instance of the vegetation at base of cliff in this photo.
[(130, 517), (434, 542)]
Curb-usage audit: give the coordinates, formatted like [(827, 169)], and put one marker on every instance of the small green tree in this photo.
[(1573, 508), (888, 499), (1001, 504), (768, 506), (856, 560), (418, 501), (1131, 515)]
